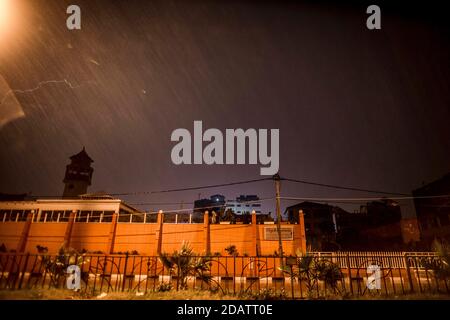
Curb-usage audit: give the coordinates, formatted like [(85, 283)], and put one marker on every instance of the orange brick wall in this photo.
[(240, 235), (289, 246), (90, 236), (50, 235), (142, 237), (10, 234), (135, 236), (173, 236)]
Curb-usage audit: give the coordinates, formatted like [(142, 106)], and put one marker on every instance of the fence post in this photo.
[(408, 272), (234, 274), (25, 232), (159, 231), (69, 227), (301, 224), (112, 233), (24, 270), (206, 234), (349, 270), (292, 282), (125, 272), (255, 247)]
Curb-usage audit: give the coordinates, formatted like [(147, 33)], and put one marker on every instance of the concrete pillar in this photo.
[(301, 225), (255, 249), (112, 233), (25, 232), (206, 233), (69, 228), (159, 231)]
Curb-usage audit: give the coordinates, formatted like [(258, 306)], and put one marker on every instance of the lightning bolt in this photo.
[(42, 84)]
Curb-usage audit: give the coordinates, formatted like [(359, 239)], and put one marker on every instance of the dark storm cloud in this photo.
[(354, 107)]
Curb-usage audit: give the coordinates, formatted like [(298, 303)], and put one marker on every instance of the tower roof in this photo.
[(82, 156)]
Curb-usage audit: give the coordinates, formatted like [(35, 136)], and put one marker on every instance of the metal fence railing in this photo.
[(400, 273)]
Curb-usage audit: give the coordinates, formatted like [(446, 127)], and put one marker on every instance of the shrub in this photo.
[(231, 250), (441, 265), (56, 266), (184, 263), (164, 287), (312, 269)]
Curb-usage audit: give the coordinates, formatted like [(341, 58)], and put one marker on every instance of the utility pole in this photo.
[(277, 179)]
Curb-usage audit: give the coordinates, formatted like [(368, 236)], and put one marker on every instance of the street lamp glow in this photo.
[(5, 14), (9, 18)]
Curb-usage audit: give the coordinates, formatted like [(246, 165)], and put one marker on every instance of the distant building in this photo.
[(410, 230), (78, 175), (433, 214), (383, 228), (377, 226), (215, 205), (321, 224), (244, 204)]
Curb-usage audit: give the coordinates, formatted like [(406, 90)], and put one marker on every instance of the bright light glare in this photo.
[(5, 15), (4, 9)]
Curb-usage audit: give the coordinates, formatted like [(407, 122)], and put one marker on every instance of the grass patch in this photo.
[(65, 294)]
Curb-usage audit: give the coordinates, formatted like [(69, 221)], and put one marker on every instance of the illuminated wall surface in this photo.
[(96, 228)]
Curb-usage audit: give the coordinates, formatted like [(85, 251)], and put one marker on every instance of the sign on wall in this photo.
[(271, 233)]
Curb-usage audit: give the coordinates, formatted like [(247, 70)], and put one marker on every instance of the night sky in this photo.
[(355, 107)]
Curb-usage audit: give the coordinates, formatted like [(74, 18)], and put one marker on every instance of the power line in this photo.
[(316, 199), (207, 207), (364, 199), (192, 188), (240, 183), (342, 187), (258, 180), (167, 190), (159, 203), (185, 202)]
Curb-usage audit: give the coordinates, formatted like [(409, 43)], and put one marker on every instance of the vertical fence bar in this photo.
[(234, 275), (418, 274), (349, 270), (125, 271), (24, 270), (408, 272), (248, 271), (117, 283)]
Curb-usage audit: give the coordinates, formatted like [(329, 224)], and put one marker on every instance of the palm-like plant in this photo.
[(306, 272), (56, 266), (328, 272), (184, 264), (441, 265), (310, 269), (231, 250)]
